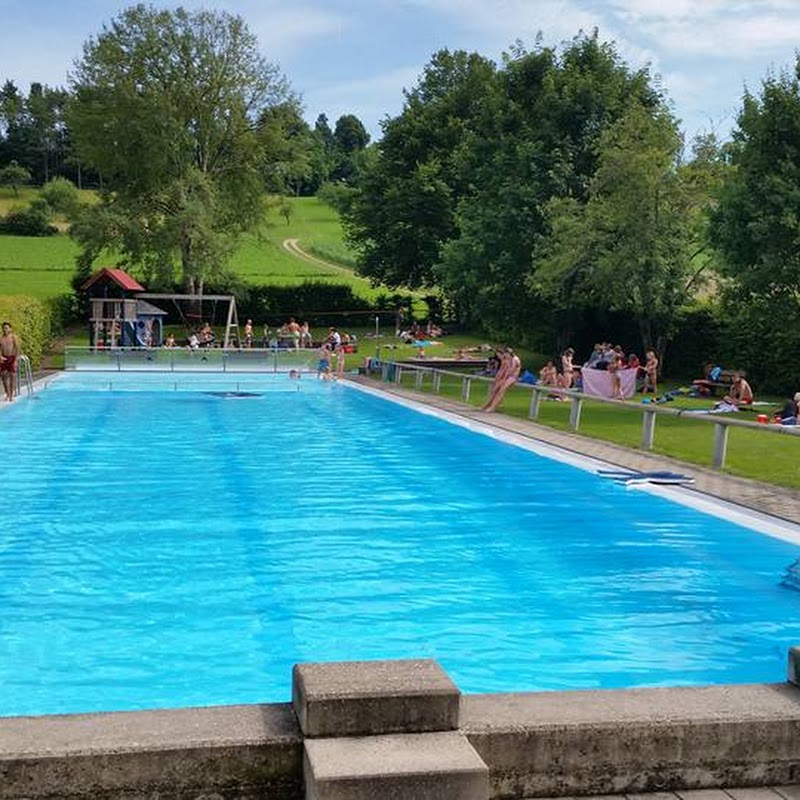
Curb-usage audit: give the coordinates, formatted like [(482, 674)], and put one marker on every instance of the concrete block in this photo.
[(793, 671), (371, 698), (427, 766)]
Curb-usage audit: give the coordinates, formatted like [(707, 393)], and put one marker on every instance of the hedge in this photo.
[(30, 319)]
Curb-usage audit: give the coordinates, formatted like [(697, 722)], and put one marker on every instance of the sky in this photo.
[(357, 56)]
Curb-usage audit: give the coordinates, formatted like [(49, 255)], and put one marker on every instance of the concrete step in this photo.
[(372, 698), (423, 766)]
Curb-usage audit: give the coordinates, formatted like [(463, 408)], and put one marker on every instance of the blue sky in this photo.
[(356, 56)]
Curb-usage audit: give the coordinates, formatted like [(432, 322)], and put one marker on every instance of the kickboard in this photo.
[(625, 474), (666, 480)]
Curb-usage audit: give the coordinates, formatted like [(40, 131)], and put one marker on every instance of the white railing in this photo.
[(394, 371), (24, 375), (183, 359)]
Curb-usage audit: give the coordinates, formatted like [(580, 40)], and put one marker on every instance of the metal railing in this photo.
[(183, 359), (395, 371), (24, 375)]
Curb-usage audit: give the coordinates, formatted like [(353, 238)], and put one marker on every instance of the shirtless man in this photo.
[(506, 377), (650, 373), (9, 351), (740, 393)]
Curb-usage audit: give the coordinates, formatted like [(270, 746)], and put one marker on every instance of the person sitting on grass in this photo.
[(789, 413), (740, 394), (548, 375)]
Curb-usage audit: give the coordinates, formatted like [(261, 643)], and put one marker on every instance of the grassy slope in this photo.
[(43, 267)]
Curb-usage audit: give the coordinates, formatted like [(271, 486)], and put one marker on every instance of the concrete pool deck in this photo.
[(763, 498)]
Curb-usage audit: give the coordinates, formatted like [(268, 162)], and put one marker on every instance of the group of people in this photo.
[(333, 348), (416, 333), (613, 358), (607, 357)]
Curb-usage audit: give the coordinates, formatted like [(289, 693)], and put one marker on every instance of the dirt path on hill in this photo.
[(292, 246)]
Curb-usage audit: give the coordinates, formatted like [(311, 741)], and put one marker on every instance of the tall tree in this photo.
[(536, 141), (405, 208), (756, 228), (756, 224), (165, 107), (629, 247), (288, 146)]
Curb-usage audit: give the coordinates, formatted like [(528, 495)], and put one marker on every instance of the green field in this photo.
[(43, 267)]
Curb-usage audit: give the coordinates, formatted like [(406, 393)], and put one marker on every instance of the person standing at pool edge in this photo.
[(9, 352), (506, 377)]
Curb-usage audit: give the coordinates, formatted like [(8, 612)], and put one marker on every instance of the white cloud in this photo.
[(713, 28), (283, 31), (504, 21)]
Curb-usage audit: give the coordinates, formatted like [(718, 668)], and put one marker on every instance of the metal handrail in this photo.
[(120, 359), (393, 372), (24, 374)]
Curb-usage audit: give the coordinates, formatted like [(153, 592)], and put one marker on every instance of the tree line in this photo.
[(36, 144), (552, 200)]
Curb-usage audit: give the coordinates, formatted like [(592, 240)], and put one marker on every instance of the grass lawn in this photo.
[(751, 453)]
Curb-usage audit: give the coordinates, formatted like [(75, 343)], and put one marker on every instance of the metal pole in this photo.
[(377, 338)]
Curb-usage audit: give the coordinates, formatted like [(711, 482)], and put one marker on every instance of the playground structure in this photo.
[(122, 316)]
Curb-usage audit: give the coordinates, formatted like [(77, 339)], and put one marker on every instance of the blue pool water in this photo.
[(175, 548)]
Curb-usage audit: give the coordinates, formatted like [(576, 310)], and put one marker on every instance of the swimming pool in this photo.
[(176, 541)]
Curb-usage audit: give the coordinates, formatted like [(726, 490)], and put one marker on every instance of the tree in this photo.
[(756, 228), (62, 197), (165, 106), (535, 140), (405, 207), (628, 248), (756, 224), (14, 175), (288, 147)]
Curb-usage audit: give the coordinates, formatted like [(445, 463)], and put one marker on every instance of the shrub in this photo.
[(62, 196), (338, 196), (31, 221), (30, 319)]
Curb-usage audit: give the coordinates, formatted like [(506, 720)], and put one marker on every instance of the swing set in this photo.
[(192, 319)]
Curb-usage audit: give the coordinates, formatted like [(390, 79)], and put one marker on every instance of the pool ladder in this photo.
[(24, 375)]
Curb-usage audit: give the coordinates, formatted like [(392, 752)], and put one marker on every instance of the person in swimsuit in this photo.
[(9, 352), (324, 362), (740, 393), (506, 377), (567, 368), (650, 373)]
